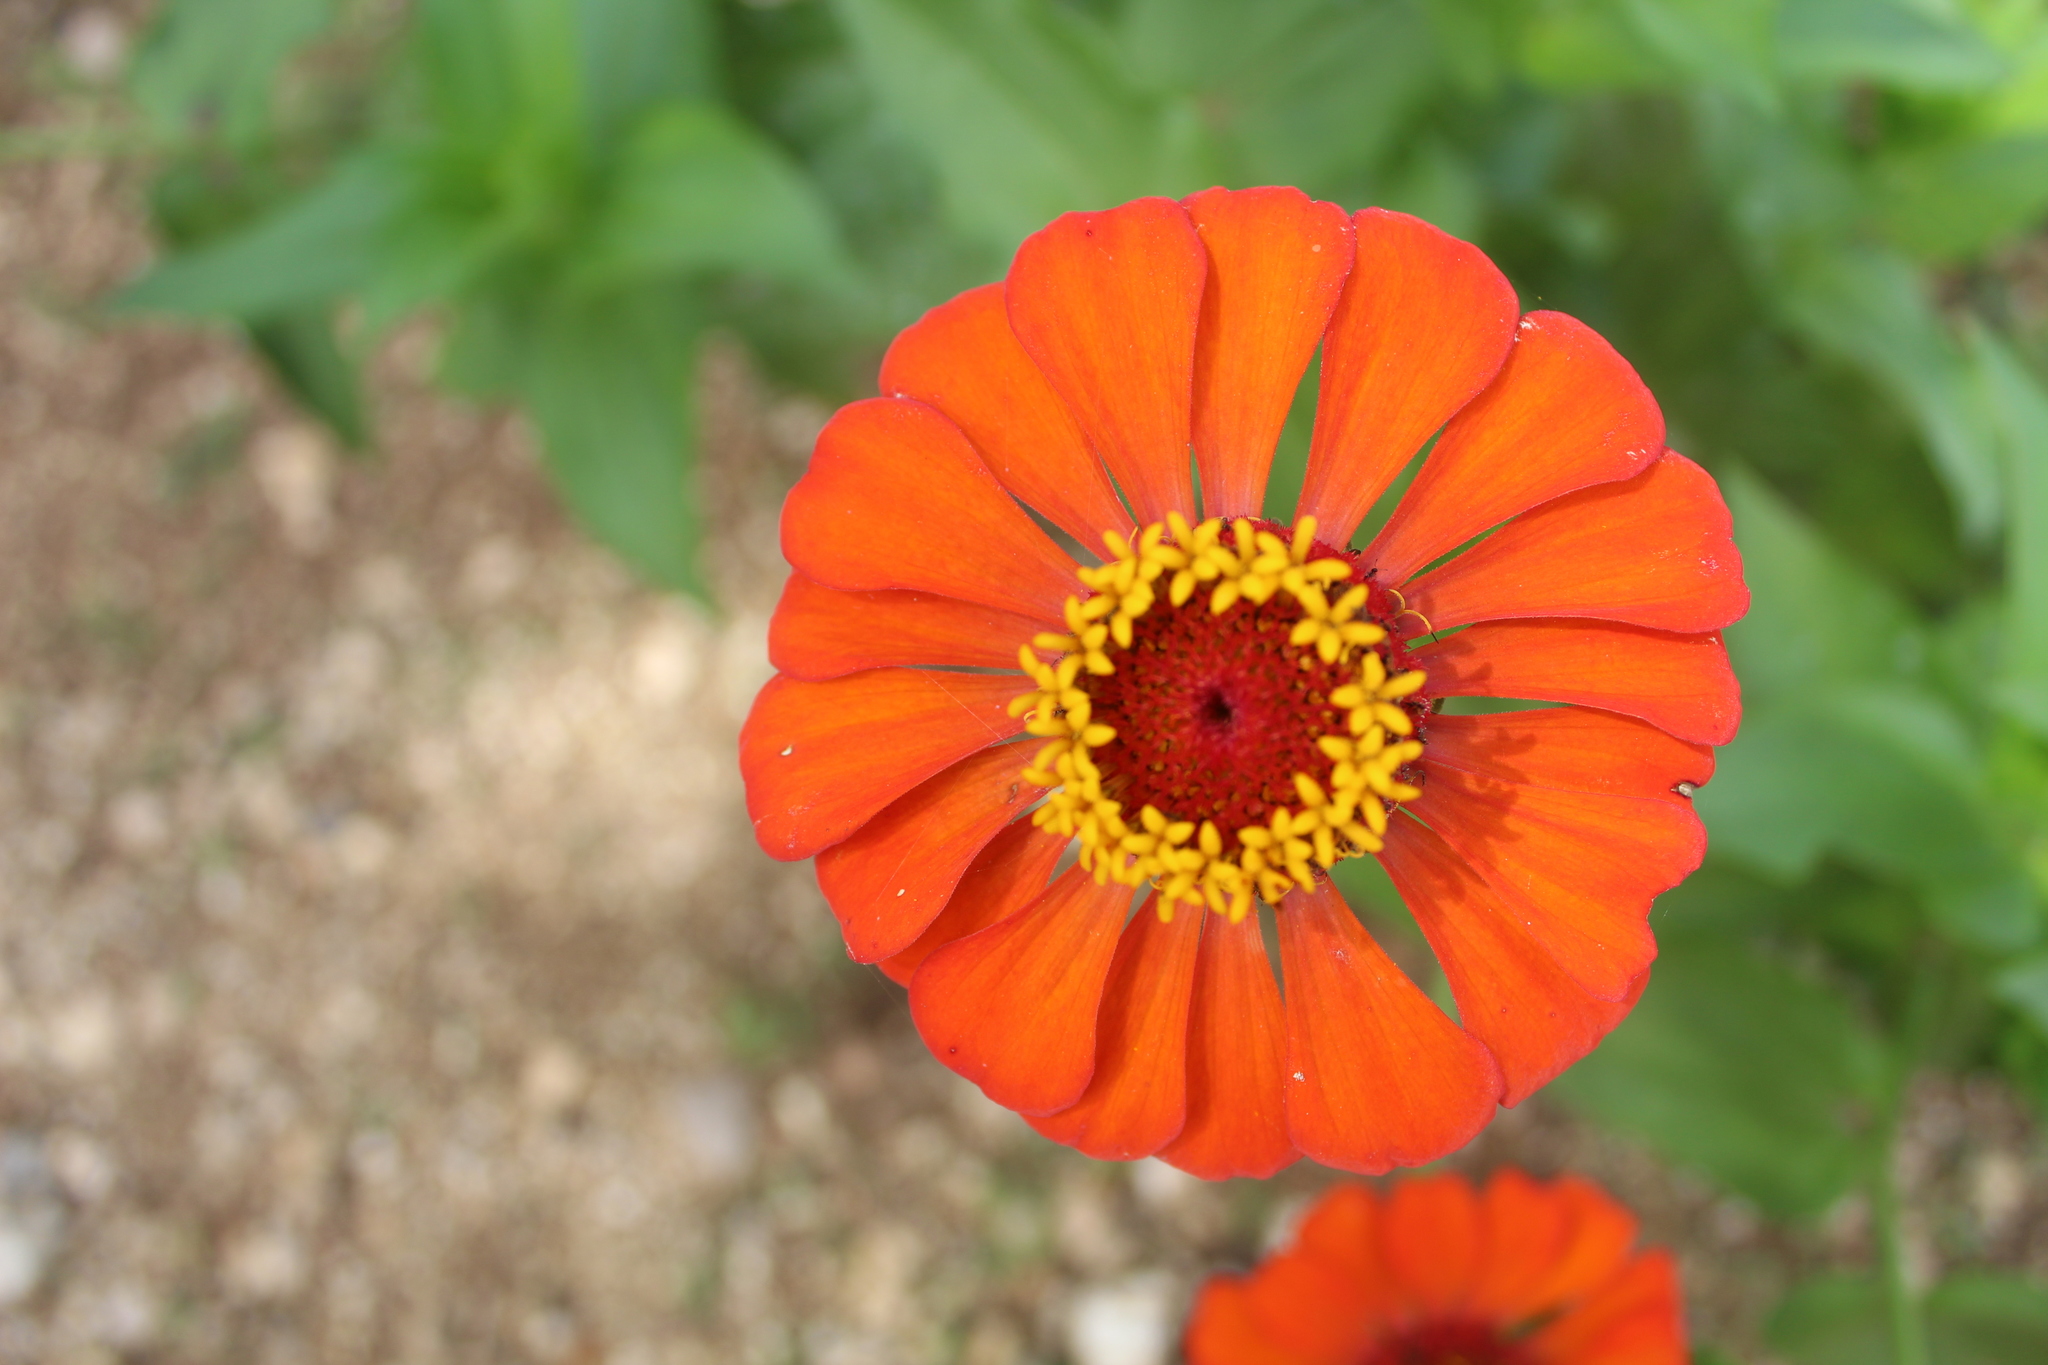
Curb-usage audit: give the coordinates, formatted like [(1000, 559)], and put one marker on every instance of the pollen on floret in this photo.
[(1219, 720)]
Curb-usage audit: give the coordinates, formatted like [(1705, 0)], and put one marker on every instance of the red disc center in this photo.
[(1448, 1342), (1214, 715)]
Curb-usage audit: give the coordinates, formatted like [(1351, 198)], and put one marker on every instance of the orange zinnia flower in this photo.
[(1224, 707), (1438, 1273)]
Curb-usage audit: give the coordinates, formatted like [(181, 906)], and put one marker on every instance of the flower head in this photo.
[(1520, 1272), (1213, 710)]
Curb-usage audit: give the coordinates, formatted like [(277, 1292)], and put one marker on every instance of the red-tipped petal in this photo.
[(1138, 1098), (819, 632), (1654, 550), (1378, 1077), (1573, 748), (1107, 304), (1277, 262), (1013, 1007), (1637, 1318), (1511, 993), (1007, 876), (1423, 325), (1237, 1044), (896, 498), (1576, 870), (1432, 1240), (962, 358), (1681, 684), (1223, 1330), (1565, 412), (820, 758), (890, 878)]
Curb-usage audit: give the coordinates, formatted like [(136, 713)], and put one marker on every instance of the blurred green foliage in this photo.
[(1814, 225)]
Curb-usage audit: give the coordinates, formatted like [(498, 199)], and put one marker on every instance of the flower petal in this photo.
[(1432, 1239), (1654, 550), (1007, 876), (1637, 1318), (963, 359), (1138, 1098), (1013, 1007), (1378, 1076), (1424, 324), (1305, 1305), (1565, 411), (1573, 748), (1529, 1228), (896, 498), (1277, 262), (1342, 1230), (1107, 304), (1596, 1234), (1511, 993), (1681, 684), (1577, 870), (890, 878), (820, 758), (819, 632), (1223, 1330), (1237, 1043)]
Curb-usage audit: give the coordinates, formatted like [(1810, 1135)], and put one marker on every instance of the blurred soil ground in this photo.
[(386, 969)]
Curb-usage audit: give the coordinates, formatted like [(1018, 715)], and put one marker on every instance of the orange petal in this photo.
[(1432, 1239), (896, 498), (820, 758), (892, 876), (1222, 1330), (1107, 304), (1637, 1318), (1654, 550), (1237, 1043), (1598, 1234), (1423, 325), (819, 632), (1564, 412), (1138, 1098), (1681, 684), (1342, 1230), (1511, 993), (1013, 1007), (1007, 876), (1529, 1227), (1571, 747), (1576, 870), (1277, 262), (1377, 1076), (1305, 1305), (962, 358)]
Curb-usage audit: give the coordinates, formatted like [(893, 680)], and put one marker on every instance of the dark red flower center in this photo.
[(1450, 1341), (1214, 715)]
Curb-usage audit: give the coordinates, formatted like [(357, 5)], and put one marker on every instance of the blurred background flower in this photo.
[(384, 968)]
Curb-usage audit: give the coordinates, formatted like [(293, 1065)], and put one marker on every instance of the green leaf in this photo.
[(315, 248), (1896, 42), (1974, 1318), (207, 67), (300, 345), (1575, 45), (2022, 408), (697, 190), (609, 383), (638, 54), (1715, 43), (1018, 104), (1742, 1068), (1870, 307), (1952, 202), (1812, 616)]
